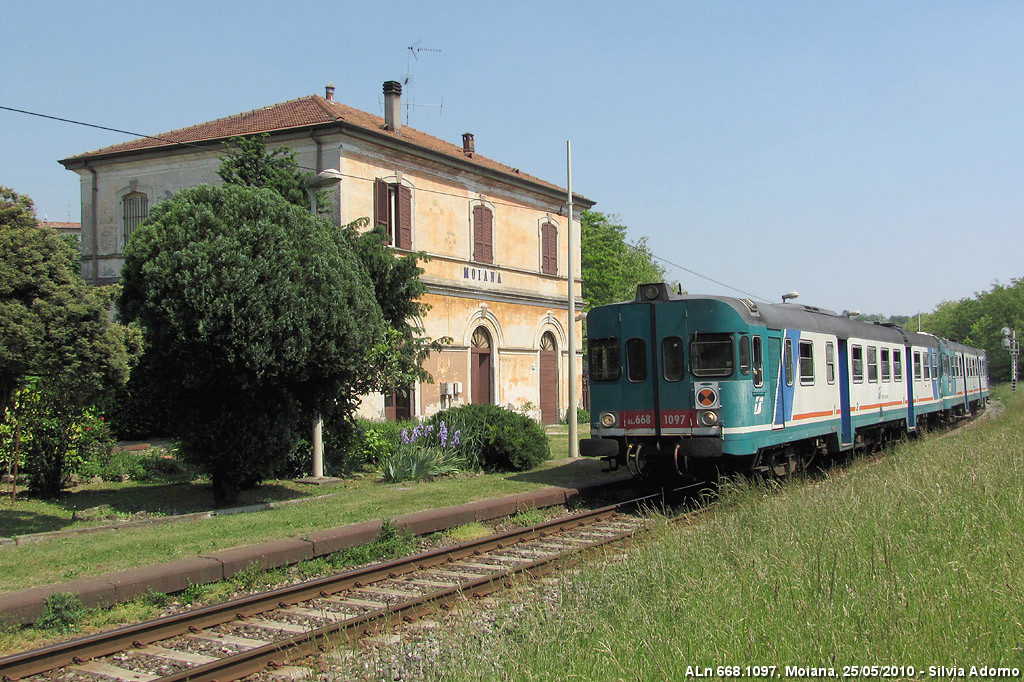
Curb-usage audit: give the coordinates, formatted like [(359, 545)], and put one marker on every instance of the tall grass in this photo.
[(916, 559)]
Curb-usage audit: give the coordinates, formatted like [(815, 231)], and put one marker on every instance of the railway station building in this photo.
[(496, 237)]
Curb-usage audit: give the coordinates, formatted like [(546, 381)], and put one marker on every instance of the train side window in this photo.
[(605, 361), (711, 355), (872, 364), (917, 366), (806, 362), (636, 360), (897, 365), (744, 354), (857, 364), (788, 360), (925, 362), (672, 358), (935, 366), (830, 362), (757, 362), (886, 365)]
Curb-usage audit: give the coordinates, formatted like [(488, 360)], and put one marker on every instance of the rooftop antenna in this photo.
[(414, 49)]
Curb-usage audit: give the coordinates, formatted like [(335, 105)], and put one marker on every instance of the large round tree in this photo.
[(258, 315)]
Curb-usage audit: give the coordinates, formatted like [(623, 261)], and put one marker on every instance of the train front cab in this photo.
[(660, 407)]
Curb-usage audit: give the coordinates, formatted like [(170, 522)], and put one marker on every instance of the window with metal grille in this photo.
[(392, 210), (605, 359), (549, 249), (483, 234), (136, 210)]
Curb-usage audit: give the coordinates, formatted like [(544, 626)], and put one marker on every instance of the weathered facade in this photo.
[(497, 238)]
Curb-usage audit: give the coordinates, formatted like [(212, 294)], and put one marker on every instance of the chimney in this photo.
[(467, 144), (329, 92), (393, 105)]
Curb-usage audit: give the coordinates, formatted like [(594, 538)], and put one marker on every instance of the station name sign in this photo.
[(481, 275)]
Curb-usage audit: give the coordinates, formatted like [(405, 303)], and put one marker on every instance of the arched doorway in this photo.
[(480, 367), (548, 379)]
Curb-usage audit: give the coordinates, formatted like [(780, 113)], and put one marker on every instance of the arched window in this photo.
[(483, 234), (549, 249), (136, 210)]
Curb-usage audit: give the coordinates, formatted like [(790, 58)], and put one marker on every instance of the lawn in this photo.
[(913, 560), (349, 501)]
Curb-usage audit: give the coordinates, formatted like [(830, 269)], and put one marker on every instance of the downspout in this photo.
[(95, 228)]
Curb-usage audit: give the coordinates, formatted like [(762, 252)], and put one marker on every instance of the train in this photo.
[(696, 386)]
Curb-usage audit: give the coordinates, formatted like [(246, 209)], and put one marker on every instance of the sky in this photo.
[(869, 155)]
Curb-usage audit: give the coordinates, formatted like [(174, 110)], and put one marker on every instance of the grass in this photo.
[(351, 501), (914, 559)]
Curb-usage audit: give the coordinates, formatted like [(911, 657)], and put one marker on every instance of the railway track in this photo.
[(265, 631)]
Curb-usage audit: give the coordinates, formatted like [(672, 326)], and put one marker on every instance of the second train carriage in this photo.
[(689, 383)]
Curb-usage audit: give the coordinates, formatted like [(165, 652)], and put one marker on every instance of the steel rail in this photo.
[(18, 666)]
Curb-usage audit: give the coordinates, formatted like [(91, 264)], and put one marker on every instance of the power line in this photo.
[(354, 177)]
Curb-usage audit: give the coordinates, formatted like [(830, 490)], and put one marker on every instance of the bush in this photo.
[(62, 613), (582, 416), (496, 439), (56, 438)]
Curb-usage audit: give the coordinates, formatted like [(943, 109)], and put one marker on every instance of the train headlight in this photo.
[(709, 418), (608, 419)]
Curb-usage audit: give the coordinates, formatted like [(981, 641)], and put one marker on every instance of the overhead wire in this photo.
[(208, 147)]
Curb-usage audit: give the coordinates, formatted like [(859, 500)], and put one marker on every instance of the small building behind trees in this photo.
[(496, 238)]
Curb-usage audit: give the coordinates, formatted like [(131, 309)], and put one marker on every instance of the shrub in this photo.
[(582, 416), (496, 439), (62, 612), (56, 438), (116, 466)]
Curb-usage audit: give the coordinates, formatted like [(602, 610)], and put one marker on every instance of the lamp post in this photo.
[(326, 178), (1011, 344)]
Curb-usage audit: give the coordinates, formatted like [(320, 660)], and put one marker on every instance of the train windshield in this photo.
[(605, 360), (711, 355)]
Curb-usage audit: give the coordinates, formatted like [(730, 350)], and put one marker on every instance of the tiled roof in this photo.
[(299, 113), (62, 226)]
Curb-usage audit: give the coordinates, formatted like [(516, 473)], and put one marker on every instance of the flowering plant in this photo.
[(426, 452)]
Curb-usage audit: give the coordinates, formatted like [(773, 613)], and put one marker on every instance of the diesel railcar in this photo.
[(692, 385)]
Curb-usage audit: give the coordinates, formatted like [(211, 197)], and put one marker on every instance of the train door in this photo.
[(912, 365), (776, 381), (639, 385), (676, 412), (846, 422)]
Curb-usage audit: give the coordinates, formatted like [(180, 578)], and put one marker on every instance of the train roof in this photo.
[(795, 316)]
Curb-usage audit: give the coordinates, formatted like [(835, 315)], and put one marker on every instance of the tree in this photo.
[(248, 163), (612, 267), (259, 316), (396, 282), (55, 327)]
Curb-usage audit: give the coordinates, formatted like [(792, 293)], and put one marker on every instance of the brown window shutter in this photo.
[(483, 234), (381, 212), (404, 240), (549, 249)]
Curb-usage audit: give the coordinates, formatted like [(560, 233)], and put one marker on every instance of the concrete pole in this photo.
[(571, 417), (318, 421)]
